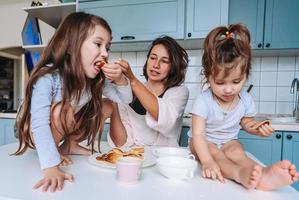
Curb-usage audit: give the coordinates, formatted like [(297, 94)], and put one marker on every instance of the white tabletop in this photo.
[(18, 174)]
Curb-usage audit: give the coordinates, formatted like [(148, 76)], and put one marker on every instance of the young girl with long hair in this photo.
[(63, 101)]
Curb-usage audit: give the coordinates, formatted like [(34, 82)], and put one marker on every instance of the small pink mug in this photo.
[(128, 169)]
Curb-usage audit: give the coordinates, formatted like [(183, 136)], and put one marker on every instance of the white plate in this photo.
[(149, 160)]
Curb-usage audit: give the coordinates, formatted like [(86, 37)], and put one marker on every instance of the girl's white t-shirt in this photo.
[(220, 128)]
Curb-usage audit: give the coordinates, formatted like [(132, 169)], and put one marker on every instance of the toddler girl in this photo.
[(220, 111)]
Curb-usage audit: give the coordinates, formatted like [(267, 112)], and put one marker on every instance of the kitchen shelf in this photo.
[(52, 14), (38, 48)]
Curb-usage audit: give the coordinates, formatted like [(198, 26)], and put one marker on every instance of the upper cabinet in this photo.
[(145, 20), (140, 20), (273, 24), (202, 16)]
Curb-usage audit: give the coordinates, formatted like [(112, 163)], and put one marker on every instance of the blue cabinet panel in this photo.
[(140, 20), (183, 141), (7, 131), (291, 150), (266, 149), (273, 24), (281, 24), (202, 16), (250, 13)]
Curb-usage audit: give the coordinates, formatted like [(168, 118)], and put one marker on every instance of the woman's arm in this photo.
[(146, 97)]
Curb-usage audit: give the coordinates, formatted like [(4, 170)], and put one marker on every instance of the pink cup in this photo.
[(129, 169)]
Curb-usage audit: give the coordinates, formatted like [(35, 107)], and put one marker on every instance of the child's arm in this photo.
[(261, 128), (210, 168), (53, 179)]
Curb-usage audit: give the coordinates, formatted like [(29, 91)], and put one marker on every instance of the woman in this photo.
[(155, 116)]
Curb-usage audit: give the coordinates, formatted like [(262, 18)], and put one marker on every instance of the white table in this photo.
[(18, 174)]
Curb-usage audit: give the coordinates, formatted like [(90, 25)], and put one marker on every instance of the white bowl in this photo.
[(172, 151), (177, 168)]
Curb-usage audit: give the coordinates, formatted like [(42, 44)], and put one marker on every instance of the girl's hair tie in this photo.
[(228, 35)]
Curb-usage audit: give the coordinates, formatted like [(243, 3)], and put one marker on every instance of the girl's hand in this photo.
[(53, 179), (265, 130), (113, 71), (126, 69), (212, 170)]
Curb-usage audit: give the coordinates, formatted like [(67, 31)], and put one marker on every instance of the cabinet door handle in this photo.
[(289, 137), (128, 37), (268, 45), (189, 35), (259, 45), (278, 136)]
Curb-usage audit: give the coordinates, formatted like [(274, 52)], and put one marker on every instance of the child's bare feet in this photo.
[(73, 148), (65, 161), (277, 175), (250, 177)]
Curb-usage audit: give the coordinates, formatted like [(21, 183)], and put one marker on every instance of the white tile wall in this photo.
[(271, 78)]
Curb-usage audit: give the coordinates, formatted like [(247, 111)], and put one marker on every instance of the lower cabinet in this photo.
[(281, 145), (183, 140), (7, 127)]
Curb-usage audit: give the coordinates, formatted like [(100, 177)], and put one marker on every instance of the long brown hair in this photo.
[(62, 55), (178, 59), (226, 48)]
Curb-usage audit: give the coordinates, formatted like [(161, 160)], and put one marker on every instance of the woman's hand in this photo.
[(113, 71), (126, 69), (211, 170), (53, 179)]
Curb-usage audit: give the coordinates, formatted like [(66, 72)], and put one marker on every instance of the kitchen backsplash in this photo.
[(271, 78)]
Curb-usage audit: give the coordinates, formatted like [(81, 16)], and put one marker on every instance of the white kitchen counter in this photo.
[(18, 174), (8, 115), (187, 122)]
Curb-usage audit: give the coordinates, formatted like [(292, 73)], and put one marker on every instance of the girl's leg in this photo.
[(246, 176), (118, 133), (69, 146), (277, 175), (251, 171)]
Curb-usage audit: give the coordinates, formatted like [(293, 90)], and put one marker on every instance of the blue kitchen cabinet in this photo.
[(140, 20), (251, 13), (290, 150), (105, 131), (266, 149), (272, 23), (281, 145), (202, 16), (7, 131), (183, 140)]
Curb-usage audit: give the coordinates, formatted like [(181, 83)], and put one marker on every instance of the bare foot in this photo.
[(277, 175), (65, 161), (73, 148), (250, 177)]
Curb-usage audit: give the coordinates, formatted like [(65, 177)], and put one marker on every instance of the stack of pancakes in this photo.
[(115, 154)]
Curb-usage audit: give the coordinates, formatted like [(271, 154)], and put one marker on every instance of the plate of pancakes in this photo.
[(110, 158)]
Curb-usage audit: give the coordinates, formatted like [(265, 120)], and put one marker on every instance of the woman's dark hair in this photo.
[(226, 48), (178, 59), (63, 53)]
